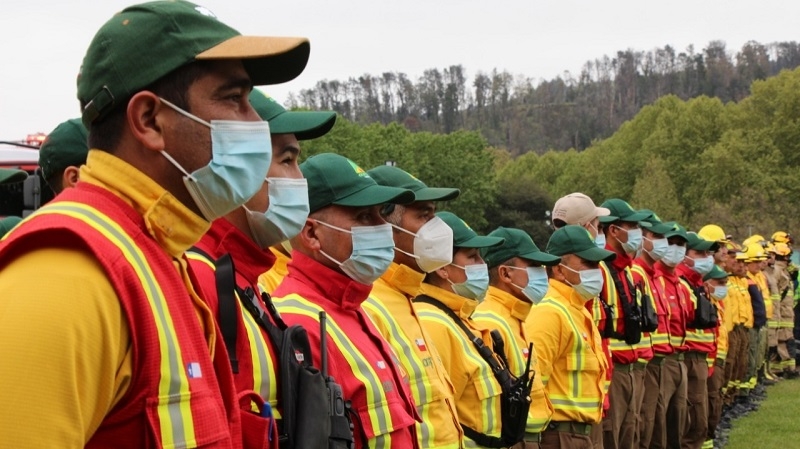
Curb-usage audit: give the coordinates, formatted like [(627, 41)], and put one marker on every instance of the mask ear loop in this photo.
[(186, 113)]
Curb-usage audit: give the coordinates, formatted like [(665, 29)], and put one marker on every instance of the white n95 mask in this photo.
[(433, 245)]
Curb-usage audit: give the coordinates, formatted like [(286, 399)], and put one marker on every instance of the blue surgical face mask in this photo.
[(476, 284), (634, 241), (241, 153), (660, 247), (720, 291), (591, 282), (286, 214), (674, 255), (373, 252), (703, 265), (537, 285), (600, 240)]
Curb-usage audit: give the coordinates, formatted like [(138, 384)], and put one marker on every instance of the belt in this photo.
[(579, 428), (660, 359), (533, 437), (696, 355), (628, 367)]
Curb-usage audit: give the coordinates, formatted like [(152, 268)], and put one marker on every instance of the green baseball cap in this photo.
[(715, 273), (516, 243), (66, 145), (386, 175), (7, 224), (12, 175), (334, 179), (145, 42), (574, 239), (464, 236), (697, 243), (305, 125), (653, 223), (622, 211), (676, 231)]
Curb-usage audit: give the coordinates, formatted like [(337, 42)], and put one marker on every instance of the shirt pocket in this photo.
[(584, 361), (485, 386), (208, 423)]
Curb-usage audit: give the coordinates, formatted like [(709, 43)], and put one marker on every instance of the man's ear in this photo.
[(442, 272), (504, 273), (70, 177), (307, 238), (147, 116)]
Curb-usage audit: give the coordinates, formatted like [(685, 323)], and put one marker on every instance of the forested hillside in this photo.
[(571, 111)]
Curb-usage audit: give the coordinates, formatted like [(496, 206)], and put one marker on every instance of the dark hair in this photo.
[(56, 182), (105, 133)]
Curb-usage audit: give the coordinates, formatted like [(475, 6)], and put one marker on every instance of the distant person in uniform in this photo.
[(62, 154)]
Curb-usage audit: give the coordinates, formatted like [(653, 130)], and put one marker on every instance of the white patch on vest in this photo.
[(299, 355), (194, 370), (381, 364)]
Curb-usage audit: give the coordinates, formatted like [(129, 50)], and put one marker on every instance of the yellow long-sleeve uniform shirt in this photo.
[(72, 335), (722, 330), (270, 280), (503, 311), (761, 280), (390, 308), (477, 392), (573, 366), (745, 306)]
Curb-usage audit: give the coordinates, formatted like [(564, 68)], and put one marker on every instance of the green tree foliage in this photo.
[(570, 111), (461, 159)]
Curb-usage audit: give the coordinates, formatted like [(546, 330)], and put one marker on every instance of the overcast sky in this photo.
[(43, 41)]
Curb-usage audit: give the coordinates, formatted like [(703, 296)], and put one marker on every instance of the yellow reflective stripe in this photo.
[(191, 255), (486, 381), (611, 296), (408, 357), (577, 347), (263, 372), (700, 337), (575, 403), (361, 368), (263, 365), (516, 351), (174, 415)]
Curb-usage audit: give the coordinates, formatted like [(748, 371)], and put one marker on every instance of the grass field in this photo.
[(776, 423)]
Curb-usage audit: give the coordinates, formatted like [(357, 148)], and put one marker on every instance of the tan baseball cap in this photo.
[(577, 209)]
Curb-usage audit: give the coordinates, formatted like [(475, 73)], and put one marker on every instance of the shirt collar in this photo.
[(649, 269), (168, 221), (404, 278), (566, 293), (250, 259), (694, 277), (622, 261), (330, 284), (661, 270), (518, 308), (463, 307)]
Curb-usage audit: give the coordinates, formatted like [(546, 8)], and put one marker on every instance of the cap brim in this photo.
[(705, 246), (596, 254), (375, 195), (268, 60), (480, 241), (602, 211), (305, 125), (541, 257), (436, 194), (607, 218), (657, 228), (11, 176)]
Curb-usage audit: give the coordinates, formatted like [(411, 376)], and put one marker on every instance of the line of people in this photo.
[(206, 290)]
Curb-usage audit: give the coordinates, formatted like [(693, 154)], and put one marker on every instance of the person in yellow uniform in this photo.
[(423, 243), (518, 281), (785, 365), (127, 353), (567, 342), (447, 299)]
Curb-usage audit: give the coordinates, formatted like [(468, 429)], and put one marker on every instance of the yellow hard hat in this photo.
[(755, 239), (713, 233), (769, 248), (753, 253), (782, 249), (782, 237)]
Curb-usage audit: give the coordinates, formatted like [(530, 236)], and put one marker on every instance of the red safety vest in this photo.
[(175, 398)]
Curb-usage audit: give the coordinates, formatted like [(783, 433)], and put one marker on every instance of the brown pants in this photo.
[(736, 364), (715, 384), (596, 436), (669, 421), (525, 445), (697, 394), (552, 439), (625, 397), (652, 392)]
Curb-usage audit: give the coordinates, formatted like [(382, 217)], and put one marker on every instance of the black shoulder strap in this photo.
[(485, 352), (226, 315)]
